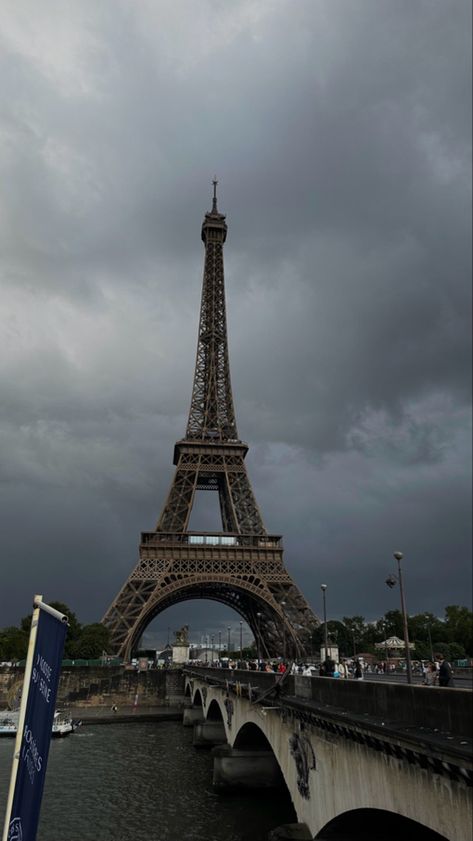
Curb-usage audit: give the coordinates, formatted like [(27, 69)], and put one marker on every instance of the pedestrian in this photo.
[(342, 669), (430, 675), (445, 673), (358, 674)]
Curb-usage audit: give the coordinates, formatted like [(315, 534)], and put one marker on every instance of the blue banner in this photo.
[(36, 738)]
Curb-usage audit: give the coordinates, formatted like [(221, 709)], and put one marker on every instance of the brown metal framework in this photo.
[(241, 566)]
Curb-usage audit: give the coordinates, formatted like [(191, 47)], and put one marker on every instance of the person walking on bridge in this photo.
[(445, 673), (430, 676)]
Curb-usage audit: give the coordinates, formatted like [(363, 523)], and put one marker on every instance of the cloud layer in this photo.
[(341, 136)]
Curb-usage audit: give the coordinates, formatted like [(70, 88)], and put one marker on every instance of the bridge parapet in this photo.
[(414, 706)]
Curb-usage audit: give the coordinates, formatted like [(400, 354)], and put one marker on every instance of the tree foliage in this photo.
[(13, 644), (451, 637), (92, 641)]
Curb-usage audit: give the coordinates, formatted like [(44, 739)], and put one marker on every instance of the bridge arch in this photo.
[(251, 737), (374, 824), (197, 700), (247, 595), (214, 712)]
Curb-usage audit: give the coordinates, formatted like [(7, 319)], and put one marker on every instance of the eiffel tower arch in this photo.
[(241, 565)]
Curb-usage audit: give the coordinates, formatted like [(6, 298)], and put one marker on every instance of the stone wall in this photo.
[(96, 685)]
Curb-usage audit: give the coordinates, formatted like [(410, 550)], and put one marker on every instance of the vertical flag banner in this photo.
[(35, 726)]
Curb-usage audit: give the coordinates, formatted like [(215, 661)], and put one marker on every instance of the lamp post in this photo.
[(283, 605), (258, 643), (228, 639), (386, 649), (391, 581), (323, 587), (219, 644), (212, 649), (241, 640), (427, 619)]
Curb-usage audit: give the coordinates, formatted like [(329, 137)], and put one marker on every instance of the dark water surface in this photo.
[(124, 782)]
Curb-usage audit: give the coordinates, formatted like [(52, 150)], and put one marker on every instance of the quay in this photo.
[(124, 715)]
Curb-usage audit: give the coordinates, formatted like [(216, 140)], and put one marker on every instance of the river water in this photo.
[(124, 782)]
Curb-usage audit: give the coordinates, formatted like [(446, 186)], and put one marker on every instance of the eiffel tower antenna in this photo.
[(214, 203), (241, 565)]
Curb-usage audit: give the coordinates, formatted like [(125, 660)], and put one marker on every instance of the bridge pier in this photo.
[(249, 769), (207, 734), (191, 716), (291, 832)]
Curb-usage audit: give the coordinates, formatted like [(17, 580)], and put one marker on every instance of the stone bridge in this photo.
[(383, 759)]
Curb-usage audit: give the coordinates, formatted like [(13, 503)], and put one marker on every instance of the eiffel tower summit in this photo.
[(241, 565)]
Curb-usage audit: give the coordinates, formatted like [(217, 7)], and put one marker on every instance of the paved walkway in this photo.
[(124, 714)]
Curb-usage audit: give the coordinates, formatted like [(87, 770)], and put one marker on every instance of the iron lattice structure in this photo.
[(242, 565)]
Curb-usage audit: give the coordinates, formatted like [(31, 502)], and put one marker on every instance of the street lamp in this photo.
[(241, 639), (391, 582), (219, 644), (228, 639), (323, 587), (283, 605), (427, 619), (258, 644), (212, 648), (386, 649)]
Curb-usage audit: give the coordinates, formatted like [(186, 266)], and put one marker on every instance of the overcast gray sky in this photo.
[(340, 132)]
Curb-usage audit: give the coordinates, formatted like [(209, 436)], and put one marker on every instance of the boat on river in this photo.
[(63, 724), (8, 724)]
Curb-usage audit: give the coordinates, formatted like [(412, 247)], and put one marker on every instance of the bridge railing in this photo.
[(412, 705)]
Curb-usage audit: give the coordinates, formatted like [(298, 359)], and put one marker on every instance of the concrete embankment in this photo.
[(124, 715), (88, 687)]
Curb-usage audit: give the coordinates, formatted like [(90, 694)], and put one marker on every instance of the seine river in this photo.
[(124, 782)]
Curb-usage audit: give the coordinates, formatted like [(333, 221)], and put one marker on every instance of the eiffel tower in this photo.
[(241, 565)]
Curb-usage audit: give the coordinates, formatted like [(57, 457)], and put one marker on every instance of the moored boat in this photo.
[(8, 723), (63, 724)]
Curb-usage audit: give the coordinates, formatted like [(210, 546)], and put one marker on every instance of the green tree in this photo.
[(92, 642), (456, 651), (337, 633), (392, 624), (13, 644), (356, 628), (73, 630), (459, 626)]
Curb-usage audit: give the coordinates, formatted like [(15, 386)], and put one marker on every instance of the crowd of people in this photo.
[(435, 673)]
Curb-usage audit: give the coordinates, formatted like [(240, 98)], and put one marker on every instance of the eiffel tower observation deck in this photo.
[(241, 565)]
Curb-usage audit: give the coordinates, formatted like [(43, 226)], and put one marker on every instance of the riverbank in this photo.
[(126, 714)]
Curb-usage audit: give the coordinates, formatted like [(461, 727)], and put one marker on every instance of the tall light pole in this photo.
[(212, 648), (228, 639), (283, 605), (386, 649), (323, 587), (219, 644), (427, 619), (391, 581), (241, 640), (258, 644)]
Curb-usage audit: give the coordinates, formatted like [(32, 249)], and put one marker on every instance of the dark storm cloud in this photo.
[(341, 133)]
